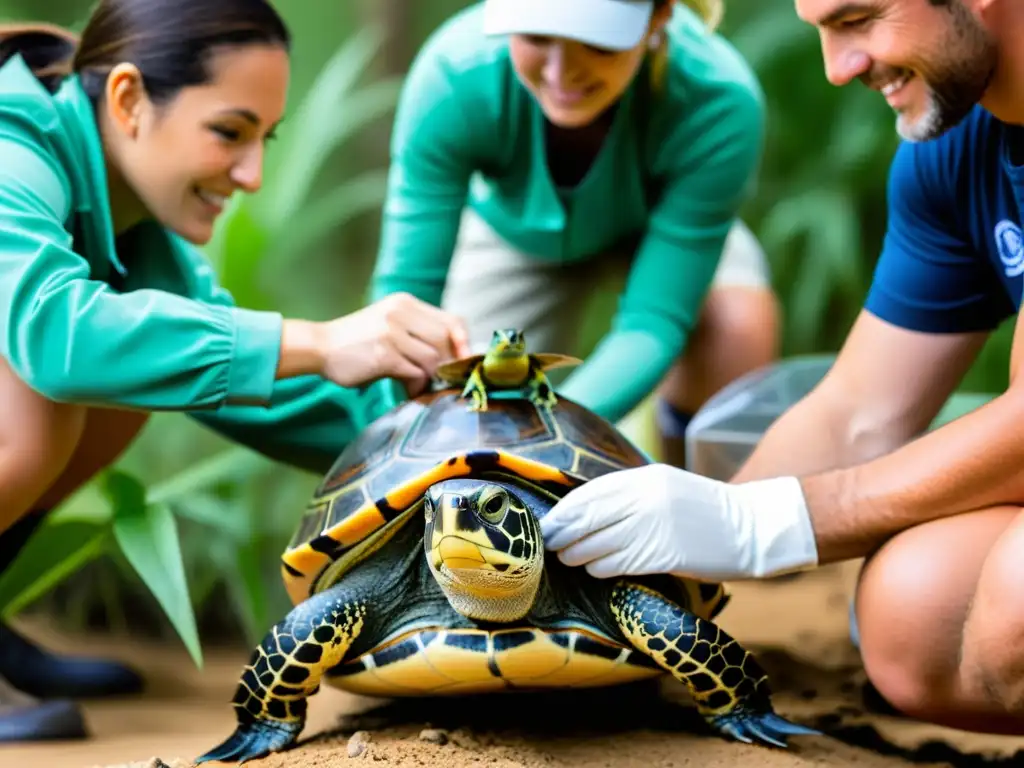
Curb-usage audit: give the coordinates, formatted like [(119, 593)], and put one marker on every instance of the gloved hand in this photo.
[(659, 519)]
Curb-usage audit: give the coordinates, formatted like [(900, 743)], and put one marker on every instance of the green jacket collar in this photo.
[(79, 119)]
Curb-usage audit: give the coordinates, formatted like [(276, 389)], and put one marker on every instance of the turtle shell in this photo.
[(378, 482)]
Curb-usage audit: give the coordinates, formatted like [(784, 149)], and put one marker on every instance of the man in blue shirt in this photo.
[(848, 472)]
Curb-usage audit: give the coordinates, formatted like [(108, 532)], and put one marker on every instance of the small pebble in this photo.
[(434, 736), (357, 743)]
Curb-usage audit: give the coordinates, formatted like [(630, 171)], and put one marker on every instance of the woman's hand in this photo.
[(399, 337)]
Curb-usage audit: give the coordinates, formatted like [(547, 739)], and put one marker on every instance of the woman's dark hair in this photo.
[(170, 41)]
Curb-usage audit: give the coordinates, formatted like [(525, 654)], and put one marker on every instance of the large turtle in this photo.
[(419, 569)]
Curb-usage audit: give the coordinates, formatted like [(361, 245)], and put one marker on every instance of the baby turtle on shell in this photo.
[(506, 366), (419, 570)]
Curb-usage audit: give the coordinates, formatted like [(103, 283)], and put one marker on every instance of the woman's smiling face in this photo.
[(574, 83)]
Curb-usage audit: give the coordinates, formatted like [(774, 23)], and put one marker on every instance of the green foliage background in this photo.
[(187, 521)]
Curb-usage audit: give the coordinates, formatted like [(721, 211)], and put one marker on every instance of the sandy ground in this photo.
[(798, 628)]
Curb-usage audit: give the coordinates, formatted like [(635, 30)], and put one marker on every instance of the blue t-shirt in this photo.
[(953, 256)]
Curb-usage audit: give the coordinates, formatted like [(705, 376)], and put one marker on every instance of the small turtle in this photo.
[(419, 570), (506, 366)]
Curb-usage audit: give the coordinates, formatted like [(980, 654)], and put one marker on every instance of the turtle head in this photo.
[(507, 342), (484, 547)]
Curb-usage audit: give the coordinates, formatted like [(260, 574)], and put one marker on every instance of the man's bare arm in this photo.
[(788, 512), (886, 386), (971, 463)]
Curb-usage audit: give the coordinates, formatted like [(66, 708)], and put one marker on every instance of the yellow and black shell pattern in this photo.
[(378, 482)]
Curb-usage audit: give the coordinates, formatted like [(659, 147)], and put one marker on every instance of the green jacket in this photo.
[(138, 321), (673, 171)]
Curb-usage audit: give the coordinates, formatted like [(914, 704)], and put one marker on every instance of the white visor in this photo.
[(614, 24)]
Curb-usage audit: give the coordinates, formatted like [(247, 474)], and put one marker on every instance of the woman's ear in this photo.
[(661, 16), (125, 98), (656, 28)]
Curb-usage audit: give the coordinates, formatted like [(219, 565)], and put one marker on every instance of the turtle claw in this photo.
[(477, 394), (759, 728), (253, 740)]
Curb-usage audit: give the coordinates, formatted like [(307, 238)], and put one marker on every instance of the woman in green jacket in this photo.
[(574, 169), (118, 152)]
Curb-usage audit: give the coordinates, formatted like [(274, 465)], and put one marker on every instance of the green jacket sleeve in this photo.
[(428, 181), (73, 338), (712, 159), (307, 421)]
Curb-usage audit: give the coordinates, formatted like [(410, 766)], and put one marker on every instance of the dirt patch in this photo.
[(797, 627)]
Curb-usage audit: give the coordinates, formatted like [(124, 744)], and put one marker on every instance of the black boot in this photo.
[(23, 718), (40, 673), (45, 675)]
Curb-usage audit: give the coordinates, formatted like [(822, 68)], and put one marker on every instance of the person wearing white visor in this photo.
[(574, 169), (617, 25)]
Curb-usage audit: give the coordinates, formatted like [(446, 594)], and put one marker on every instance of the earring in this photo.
[(654, 41)]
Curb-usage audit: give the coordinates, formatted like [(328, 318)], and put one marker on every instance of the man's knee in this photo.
[(907, 661), (914, 609), (992, 655), (993, 667), (906, 682)]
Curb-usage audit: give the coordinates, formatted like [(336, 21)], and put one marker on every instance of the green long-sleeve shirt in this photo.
[(140, 322), (674, 169)]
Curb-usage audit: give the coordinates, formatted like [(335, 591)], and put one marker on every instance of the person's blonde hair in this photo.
[(709, 11)]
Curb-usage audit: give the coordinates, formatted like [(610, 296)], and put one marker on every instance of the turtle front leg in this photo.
[(541, 393), (728, 685), (285, 670), (477, 390)]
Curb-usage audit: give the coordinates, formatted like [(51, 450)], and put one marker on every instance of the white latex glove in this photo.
[(659, 519)]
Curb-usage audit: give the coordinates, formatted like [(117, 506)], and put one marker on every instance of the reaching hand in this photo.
[(398, 336), (659, 519)]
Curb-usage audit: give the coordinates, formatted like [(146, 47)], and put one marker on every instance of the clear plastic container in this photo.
[(723, 433)]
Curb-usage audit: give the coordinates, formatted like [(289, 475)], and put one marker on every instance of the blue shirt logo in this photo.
[(1011, 247), (953, 256)]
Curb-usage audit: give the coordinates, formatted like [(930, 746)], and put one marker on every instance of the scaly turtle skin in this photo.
[(419, 569), (506, 366)]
